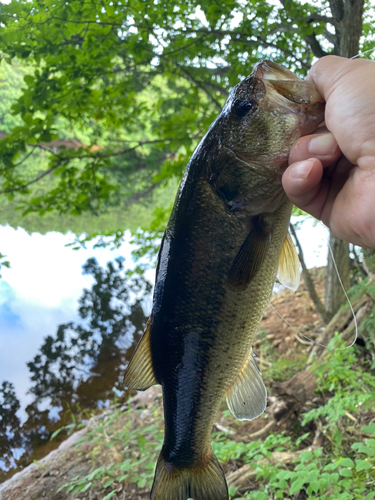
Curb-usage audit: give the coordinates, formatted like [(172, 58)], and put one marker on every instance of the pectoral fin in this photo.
[(250, 258), (139, 374), (247, 397), (288, 273)]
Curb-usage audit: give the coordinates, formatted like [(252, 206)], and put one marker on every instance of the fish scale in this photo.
[(225, 242)]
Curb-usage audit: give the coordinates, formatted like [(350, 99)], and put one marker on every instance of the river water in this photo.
[(64, 349)]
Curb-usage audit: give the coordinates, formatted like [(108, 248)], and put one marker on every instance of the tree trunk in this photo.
[(309, 282), (333, 294), (348, 16), (369, 261)]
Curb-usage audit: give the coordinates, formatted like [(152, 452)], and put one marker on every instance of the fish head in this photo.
[(267, 112)]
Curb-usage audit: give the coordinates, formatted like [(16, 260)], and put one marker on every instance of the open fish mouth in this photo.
[(286, 92), (287, 83)]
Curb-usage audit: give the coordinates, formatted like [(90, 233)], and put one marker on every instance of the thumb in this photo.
[(305, 186)]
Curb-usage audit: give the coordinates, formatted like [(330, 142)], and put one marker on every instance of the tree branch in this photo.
[(61, 160), (286, 51), (316, 48), (196, 82), (331, 37), (283, 28), (237, 36), (27, 184), (199, 85), (321, 19), (106, 155)]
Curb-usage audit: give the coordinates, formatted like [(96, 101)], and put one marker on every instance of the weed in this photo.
[(124, 449)]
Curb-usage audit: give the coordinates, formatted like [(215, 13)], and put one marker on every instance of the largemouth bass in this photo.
[(225, 242)]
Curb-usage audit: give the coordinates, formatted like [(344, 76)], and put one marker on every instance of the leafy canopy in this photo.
[(134, 77)]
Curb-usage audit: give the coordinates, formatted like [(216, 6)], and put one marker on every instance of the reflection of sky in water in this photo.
[(45, 281), (7, 316), (39, 292)]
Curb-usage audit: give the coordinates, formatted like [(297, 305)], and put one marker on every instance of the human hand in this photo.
[(331, 175)]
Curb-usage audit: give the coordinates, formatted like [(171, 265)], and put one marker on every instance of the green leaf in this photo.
[(369, 429), (110, 495), (296, 486), (141, 483), (362, 465), (259, 495), (86, 487), (314, 486), (108, 482), (54, 434), (347, 462), (345, 472), (121, 478), (306, 456), (142, 441)]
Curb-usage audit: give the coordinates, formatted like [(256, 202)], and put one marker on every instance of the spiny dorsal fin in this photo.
[(250, 258), (139, 374), (247, 396), (288, 273)]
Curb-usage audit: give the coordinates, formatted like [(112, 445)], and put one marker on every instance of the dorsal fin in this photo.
[(247, 396), (288, 273), (139, 374)]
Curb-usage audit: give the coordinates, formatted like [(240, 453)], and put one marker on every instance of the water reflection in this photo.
[(78, 367)]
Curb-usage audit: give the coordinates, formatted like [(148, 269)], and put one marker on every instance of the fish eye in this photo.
[(242, 107)]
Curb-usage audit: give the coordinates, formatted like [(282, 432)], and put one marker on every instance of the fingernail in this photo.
[(300, 170), (323, 145)]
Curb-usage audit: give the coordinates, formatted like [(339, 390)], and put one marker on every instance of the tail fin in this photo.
[(204, 480)]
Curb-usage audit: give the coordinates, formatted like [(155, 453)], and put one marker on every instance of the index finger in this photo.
[(327, 72)]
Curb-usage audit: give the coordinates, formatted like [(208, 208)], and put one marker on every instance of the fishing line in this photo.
[(347, 299), (297, 334), (361, 53), (310, 340)]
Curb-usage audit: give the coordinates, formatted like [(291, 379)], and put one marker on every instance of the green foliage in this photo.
[(11, 83), (108, 228), (132, 439), (352, 385), (320, 477), (136, 84), (279, 368)]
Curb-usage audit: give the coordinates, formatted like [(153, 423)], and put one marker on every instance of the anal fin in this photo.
[(139, 374), (247, 396)]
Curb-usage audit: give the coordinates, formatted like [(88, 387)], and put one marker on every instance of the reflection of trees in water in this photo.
[(10, 425), (81, 365)]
